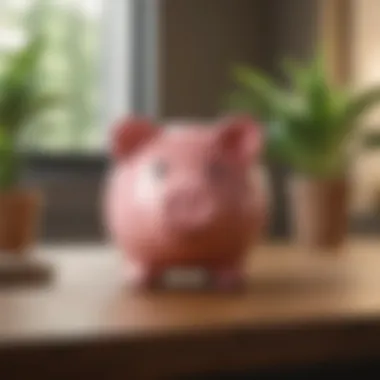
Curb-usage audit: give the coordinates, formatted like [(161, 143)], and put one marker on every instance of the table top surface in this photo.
[(290, 292)]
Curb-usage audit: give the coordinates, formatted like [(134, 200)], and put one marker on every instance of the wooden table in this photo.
[(300, 309)]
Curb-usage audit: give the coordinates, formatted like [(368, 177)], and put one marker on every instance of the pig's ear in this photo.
[(240, 138), (129, 134)]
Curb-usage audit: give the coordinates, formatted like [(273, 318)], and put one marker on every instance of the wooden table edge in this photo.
[(192, 351)]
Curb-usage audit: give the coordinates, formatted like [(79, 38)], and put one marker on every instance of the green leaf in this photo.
[(242, 101), (297, 75), (268, 98), (20, 101), (45, 101), (309, 124), (359, 104), (9, 161), (18, 87)]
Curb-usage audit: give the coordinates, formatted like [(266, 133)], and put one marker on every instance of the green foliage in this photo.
[(308, 123), (21, 100)]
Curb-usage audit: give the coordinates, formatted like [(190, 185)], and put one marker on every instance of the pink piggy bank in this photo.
[(185, 196)]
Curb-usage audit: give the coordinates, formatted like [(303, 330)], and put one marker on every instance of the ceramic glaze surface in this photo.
[(184, 196)]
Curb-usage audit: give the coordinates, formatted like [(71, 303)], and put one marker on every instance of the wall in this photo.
[(201, 40), (293, 26), (365, 49)]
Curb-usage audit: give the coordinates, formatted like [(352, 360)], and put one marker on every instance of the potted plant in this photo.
[(309, 127), (21, 100), (370, 143)]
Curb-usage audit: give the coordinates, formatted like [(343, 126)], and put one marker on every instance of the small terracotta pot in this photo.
[(319, 211), (19, 216)]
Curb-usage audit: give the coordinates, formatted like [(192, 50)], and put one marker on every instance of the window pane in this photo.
[(70, 67)]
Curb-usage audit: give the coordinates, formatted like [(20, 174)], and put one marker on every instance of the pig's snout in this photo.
[(188, 209)]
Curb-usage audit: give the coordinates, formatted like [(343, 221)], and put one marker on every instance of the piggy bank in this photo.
[(185, 195)]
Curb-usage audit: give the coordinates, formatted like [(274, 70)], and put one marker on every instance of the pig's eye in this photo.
[(160, 169), (216, 170)]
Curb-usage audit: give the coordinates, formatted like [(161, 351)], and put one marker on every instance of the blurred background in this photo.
[(102, 59), (70, 64), (166, 59)]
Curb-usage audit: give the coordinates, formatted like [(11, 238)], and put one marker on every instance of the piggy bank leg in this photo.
[(228, 278), (143, 276)]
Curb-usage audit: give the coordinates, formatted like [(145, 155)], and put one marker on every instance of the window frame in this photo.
[(66, 171)]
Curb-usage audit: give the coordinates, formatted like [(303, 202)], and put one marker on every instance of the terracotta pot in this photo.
[(319, 211), (19, 214)]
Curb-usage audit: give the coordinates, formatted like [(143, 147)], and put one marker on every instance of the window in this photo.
[(101, 54), (87, 61)]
